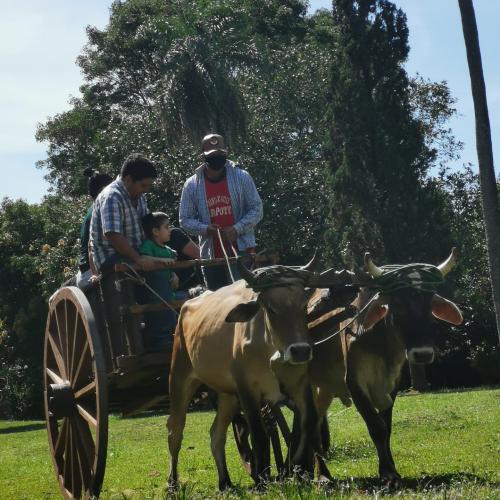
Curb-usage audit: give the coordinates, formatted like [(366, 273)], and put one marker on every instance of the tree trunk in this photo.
[(489, 191)]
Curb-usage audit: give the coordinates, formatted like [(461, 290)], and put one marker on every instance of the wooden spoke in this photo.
[(76, 376), (53, 376), (87, 445), (86, 450), (65, 334), (83, 469), (62, 336), (75, 469), (85, 391), (57, 356), (73, 348), (60, 445), (66, 471), (71, 460), (87, 416)]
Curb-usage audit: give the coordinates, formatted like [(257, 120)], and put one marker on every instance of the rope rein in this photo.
[(140, 280), (225, 254), (350, 322)]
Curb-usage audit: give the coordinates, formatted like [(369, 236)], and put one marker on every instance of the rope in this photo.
[(330, 415), (140, 280), (350, 322), (225, 255)]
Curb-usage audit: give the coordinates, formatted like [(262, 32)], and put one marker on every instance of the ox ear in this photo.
[(243, 312), (375, 313), (446, 310)]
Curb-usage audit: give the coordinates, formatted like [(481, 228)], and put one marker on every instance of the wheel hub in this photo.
[(61, 400)]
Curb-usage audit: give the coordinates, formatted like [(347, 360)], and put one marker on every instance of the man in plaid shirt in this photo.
[(116, 228)]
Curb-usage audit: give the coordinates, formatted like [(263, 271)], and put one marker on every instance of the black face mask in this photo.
[(216, 162)]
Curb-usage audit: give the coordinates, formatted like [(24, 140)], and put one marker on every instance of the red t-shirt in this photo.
[(220, 210)]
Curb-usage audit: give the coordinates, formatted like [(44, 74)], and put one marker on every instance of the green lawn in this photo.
[(446, 445)]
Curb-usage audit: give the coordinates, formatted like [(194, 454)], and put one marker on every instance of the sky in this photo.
[(41, 39)]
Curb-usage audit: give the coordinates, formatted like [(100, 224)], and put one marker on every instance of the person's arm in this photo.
[(181, 243), (188, 212), (191, 250), (93, 268), (123, 247), (253, 211), (112, 227)]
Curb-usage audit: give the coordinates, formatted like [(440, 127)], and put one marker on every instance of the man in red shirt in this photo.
[(220, 196)]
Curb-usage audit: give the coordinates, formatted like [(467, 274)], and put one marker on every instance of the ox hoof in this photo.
[(324, 480), (225, 485), (172, 485), (261, 483), (391, 480)]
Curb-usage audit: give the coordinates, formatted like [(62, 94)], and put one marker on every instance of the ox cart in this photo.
[(95, 363)]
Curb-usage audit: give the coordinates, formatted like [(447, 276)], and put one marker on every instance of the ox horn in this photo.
[(374, 270), (312, 263), (245, 273), (449, 263)]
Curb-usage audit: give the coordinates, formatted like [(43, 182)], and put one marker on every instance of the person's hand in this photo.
[(146, 263), (212, 229), (93, 279), (230, 233), (174, 281)]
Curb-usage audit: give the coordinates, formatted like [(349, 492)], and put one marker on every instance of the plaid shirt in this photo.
[(114, 212), (194, 216)]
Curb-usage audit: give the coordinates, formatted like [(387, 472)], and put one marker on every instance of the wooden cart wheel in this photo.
[(75, 394)]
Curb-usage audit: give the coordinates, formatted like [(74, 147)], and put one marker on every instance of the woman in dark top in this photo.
[(96, 183)]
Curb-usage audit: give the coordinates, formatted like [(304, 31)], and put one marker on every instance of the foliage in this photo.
[(38, 249), (486, 359), (473, 290), (339, 139), (380, 197), (445, 444)]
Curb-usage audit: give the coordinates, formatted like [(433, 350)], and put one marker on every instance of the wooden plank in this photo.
[(325, 317), (143, 404), (142, 308), (183, 264)]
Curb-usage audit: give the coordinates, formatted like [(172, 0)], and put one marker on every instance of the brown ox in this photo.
[(365, 361), (226, 339)]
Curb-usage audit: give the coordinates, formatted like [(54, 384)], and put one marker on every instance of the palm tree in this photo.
[(489, 190), (198, 89), (174, 62)]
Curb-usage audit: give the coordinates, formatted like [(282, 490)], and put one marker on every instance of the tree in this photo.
[(381, 197), (160, 75), (489, 189), (38, 250)]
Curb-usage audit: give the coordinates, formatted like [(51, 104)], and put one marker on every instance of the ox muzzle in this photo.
[(420, 355), (295, 354)]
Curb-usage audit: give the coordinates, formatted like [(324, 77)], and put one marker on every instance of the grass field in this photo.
[(446, 445)]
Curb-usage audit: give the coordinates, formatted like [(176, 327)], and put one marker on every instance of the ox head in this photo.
[(282, 297), (412, 309)]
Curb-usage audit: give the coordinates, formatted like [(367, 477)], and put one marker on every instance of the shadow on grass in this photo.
[(427, 482), (22, 428)]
